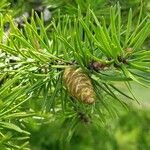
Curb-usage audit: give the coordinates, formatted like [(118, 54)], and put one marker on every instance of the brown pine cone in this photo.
[(79, 85)]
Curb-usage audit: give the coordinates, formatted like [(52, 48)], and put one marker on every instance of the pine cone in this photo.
[(79, 84)]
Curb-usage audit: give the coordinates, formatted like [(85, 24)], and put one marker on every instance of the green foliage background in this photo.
[(36, 111)]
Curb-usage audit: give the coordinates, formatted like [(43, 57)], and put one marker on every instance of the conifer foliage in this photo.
[(66, 70)]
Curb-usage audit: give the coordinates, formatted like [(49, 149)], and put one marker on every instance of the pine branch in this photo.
[(33, 60)]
